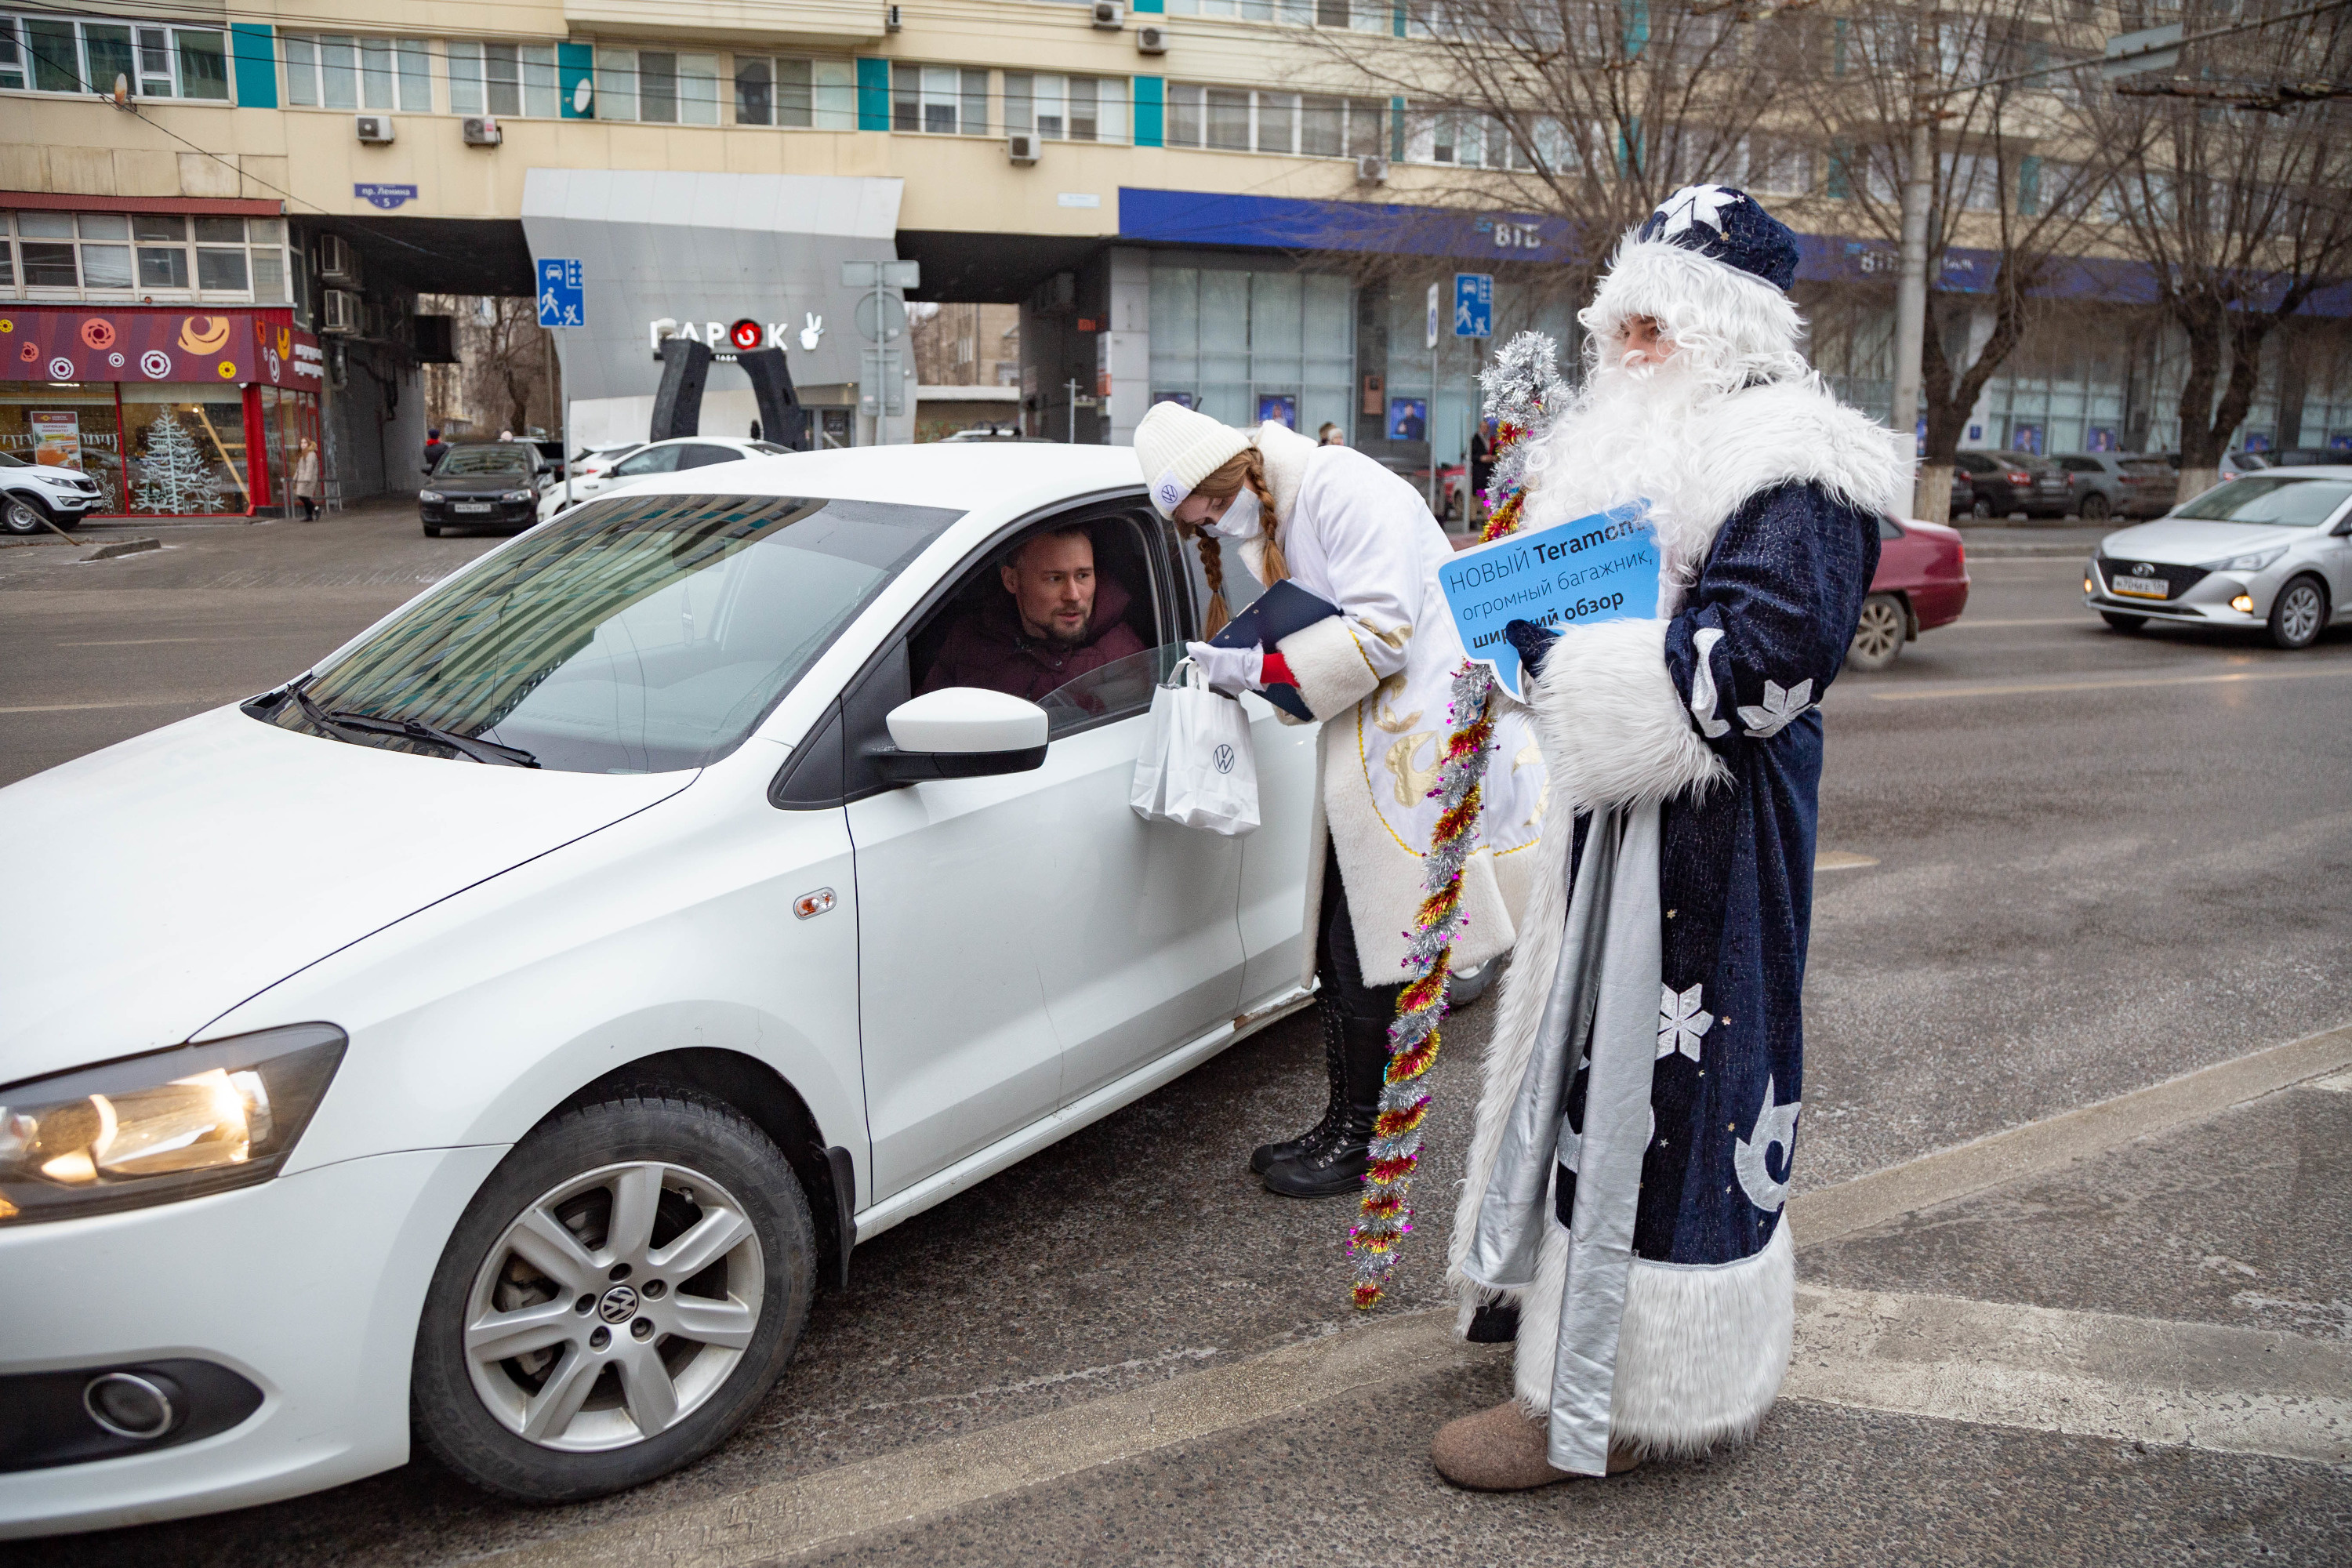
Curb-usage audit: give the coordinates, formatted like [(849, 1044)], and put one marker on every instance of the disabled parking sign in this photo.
[(1599, 568)]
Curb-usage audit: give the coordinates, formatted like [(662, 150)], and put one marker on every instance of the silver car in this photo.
[(2271, 549)]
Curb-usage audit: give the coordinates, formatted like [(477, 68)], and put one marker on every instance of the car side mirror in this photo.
[(960, 732)]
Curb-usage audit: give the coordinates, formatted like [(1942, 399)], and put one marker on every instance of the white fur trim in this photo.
[(1615, 729), (1701, 1353), (1286, 453), (1332, 672)]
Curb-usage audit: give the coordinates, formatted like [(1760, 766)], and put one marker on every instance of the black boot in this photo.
[(1337, 1166), (1267, 1154)]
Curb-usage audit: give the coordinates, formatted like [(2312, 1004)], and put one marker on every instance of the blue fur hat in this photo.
[(1726, 226)]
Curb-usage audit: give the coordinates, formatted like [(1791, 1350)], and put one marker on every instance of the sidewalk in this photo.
[(2057, 538)]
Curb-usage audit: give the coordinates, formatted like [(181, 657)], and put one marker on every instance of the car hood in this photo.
[(2191, 541), (477, 484), (155, 885)]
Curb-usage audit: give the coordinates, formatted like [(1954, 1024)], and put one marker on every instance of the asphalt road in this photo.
[(2095, 862)]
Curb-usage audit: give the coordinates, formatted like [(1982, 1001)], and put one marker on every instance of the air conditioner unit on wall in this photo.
[(482, 131), (338, 263), (892, 22), (375, 129), (1022, 148), (1109, 16), (1371, 169), (343, 314), (1151, 40)]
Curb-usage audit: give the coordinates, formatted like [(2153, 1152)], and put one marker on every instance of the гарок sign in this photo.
[(1599, 568)]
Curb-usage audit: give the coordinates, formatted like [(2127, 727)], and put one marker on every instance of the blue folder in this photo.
[(1275, 613)]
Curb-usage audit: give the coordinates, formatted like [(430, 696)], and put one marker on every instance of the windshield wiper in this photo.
[(417, 730), (320, 716)]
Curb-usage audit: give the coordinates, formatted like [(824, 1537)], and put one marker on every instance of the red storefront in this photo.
[(178, 411)]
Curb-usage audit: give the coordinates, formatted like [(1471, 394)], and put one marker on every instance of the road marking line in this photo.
[(140, 642), (2038, 1148), (1842, 860), (1923, 693), (1966, 625), (158, 703), (2199, 1386)]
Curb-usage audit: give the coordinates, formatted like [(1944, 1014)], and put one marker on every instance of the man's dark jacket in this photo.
[(991, 651)]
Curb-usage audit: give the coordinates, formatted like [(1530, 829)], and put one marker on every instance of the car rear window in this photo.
[(2276, 501), (639, 635)]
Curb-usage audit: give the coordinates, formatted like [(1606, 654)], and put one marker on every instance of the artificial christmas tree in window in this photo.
[(175, 476)]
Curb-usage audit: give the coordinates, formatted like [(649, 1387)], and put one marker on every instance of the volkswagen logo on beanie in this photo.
[(1726, 226)]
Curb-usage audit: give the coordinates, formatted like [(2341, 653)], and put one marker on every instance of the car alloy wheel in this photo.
[(23, 516), (1878, 636), (1980, 509), (2298, 613), (614, 1305), (2095, 508), (618, 1299)]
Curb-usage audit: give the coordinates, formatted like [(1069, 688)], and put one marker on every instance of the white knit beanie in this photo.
[(1177, 448)]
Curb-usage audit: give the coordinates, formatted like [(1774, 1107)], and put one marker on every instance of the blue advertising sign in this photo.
[(1599, 568), (562, 296), (1474, 304), (1281, 407), (384, 197), (1408, 418)]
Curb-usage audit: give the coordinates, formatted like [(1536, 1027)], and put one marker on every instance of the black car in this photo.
[(483, 484), (2006, 483)]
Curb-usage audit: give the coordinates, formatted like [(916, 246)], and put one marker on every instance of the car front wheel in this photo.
[(1878, 636), (619, 1297), (2298, 613), (22, 514)]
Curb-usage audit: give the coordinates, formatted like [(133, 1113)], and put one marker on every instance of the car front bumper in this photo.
[(307, 1287), (2204, 603), (502, 513)]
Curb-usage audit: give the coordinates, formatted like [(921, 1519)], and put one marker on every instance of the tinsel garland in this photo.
[(1524, 392)]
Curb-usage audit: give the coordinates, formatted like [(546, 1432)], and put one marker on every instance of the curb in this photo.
[(2009, 551), (114, 547)]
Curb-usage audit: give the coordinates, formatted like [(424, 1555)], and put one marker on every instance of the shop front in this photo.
[(176, 413)]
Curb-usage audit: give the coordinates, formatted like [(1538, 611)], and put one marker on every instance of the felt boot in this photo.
[(1500, 1450), (1334, 1110), (1336, 1165)]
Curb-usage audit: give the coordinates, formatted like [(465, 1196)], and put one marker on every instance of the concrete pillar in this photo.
[(1125, 350)]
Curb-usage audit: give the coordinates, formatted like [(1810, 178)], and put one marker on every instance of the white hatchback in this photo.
[(509, 1024), (651, 460)]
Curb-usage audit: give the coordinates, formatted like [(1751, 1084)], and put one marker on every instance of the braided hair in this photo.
[(1222, 483)]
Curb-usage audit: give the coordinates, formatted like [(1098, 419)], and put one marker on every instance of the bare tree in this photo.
[(2243, 208), (2014, 179)]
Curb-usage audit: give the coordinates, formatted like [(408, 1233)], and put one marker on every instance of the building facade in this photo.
[(1159, 189)]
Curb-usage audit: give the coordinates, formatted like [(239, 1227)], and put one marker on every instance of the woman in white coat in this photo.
[(1377, 675)]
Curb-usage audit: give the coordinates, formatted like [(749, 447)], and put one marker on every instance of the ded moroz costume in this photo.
[(1623, 1211)]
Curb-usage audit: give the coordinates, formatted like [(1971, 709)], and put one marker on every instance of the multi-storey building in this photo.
[(218, 217)]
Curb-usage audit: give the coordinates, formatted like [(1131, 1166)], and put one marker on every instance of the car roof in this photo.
[(2305, 471)]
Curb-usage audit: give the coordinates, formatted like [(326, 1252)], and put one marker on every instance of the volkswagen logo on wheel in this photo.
[(618, 1306), (1224, 757)]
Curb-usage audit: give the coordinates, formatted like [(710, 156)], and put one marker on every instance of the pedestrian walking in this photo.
[(1623, 1216), (1482, 471), (306, 486), (1377, 675), (433, 448)]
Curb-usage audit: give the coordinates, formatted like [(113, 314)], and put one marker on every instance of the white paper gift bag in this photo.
[(1197, 769)]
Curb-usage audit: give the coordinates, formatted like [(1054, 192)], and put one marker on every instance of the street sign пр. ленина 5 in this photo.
[(562, 300)]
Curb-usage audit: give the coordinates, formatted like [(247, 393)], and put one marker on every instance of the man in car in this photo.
[(1055, 622)]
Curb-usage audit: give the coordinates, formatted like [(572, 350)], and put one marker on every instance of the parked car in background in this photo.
[(33, 495), (1964, 494), (2003, 483), (1000, 430), (611, 937), (2302, 457), (2232, 463), (2270, 550), (483, 484), (656, 458), (2115, 484), (1921, 583)]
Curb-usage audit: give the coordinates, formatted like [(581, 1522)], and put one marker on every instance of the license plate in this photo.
[(471, 506), (2141, 587)]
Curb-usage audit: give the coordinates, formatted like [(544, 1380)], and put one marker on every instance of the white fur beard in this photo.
[(1633, 434)]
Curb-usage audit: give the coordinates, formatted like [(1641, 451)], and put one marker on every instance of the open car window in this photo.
[(1121, 686)]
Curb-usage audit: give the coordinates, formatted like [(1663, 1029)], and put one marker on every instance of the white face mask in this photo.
[(1243, 519)]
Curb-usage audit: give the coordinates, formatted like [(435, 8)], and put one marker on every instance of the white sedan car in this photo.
[(508, 1025), (647, 462), (2270, 549)]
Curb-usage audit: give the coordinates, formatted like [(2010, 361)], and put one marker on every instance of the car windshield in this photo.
[(2276, 501), (640, 635), (486, 461)]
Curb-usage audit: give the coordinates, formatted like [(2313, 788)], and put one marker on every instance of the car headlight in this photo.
[(157, 1127), (2252, 561), (517, 495), (428, 495)]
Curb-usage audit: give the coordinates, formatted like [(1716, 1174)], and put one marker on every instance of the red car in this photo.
[(1921, 583)]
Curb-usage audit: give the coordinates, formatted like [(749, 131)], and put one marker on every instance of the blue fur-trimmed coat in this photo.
[(1708, 711)]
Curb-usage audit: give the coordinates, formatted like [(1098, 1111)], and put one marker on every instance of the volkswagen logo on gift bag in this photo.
[(1223, 758), (1196, 768)]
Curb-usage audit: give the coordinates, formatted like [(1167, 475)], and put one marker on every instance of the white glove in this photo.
[(1230, 670)]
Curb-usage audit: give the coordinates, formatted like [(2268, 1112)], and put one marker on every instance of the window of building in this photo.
[(1066, 108), (1235, 120), (1246, 346), (108, 253), (1777, 167), (516, 80), (945, 100), (1363, 15), (330, 70), (60, 54), (660, 87), (818, 95)]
